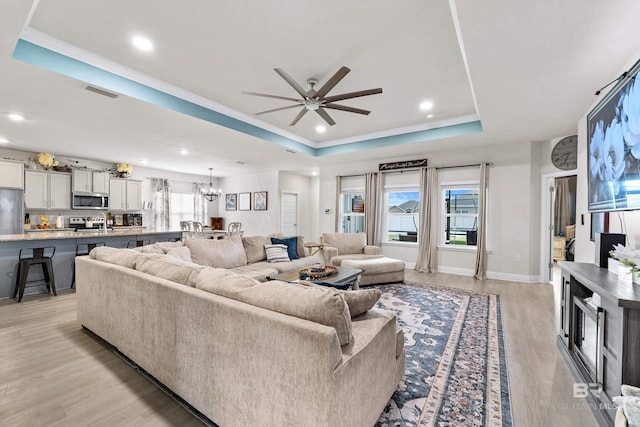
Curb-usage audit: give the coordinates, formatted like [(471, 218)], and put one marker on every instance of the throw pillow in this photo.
[(182, 253), (276, 253), (315, 303), (631, 407), (361, 301), (167, 267), (222, 253), (124, 257), (291, 243), (254, 247)]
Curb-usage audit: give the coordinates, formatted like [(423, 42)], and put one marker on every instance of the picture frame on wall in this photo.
[(244, 201), (260, 200), (230, 202)]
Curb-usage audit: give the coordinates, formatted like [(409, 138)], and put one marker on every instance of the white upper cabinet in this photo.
[(11, 174), (125, 195), (88, 181), (47, 190)]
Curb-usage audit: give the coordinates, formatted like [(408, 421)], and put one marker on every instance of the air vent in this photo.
[(291, 151), (101, 91)]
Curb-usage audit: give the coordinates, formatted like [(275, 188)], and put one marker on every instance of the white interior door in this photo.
[(289, 214)]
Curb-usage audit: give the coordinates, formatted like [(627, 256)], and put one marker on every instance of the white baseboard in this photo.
[(491, 275)]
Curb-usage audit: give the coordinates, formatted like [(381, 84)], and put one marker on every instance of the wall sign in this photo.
[(406, 164)]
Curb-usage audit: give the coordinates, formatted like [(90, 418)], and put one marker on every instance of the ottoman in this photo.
[(377, 270)]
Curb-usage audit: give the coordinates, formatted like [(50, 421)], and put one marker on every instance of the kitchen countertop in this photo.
[(52, 234)]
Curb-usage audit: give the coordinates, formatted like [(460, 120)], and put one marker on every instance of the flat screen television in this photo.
[(613, 137)]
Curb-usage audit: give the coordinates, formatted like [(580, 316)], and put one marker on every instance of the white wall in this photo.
[(513, 241)]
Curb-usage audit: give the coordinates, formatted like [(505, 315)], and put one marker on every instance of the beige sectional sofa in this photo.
[(240, 351)]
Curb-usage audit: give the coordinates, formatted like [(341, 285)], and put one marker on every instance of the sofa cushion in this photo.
[(221, 253), (360, 301), (315, 303), (182, 253), (123, 257), (149, 249), (260, 271), (346, 243), (337, 260), (167, 267), (167, 246), (277, 253), (254, 248), (291, 243)]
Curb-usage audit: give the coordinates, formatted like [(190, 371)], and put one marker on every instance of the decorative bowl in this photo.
[(315, 272)]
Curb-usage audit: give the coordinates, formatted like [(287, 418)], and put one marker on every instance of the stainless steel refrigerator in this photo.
[(11, 211)]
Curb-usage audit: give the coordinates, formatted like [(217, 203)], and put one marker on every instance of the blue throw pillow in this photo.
[(291, 243)]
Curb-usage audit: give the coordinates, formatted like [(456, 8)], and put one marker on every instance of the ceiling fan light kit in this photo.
[(318, 101)]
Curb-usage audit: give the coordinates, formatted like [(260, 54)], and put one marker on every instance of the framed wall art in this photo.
[(260, 201), (230, 202), (244, 201)]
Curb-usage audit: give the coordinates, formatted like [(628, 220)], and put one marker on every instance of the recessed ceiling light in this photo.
[(143, 161), (3, 140), (429, 116), (426, 105), (142, 43), (320, 129), (314, 173), (16, 117), (184, 151)]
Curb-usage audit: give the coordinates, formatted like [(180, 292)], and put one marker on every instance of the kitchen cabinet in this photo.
[(89, 181), (125, 195), (47, 190), (11, 174)]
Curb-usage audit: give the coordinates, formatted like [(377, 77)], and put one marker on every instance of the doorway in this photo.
[(559, 221), (289, 214)]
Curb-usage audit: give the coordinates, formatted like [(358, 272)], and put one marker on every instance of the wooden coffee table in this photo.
[(344, 278)]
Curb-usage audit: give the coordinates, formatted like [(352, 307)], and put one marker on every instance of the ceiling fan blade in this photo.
[(299, 116), (334, 80), (345, 108), (277, 109), (270, 96), (291, 82), (352, 95), (327, 118)]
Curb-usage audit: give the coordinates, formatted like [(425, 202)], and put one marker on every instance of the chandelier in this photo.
[(211, 193)]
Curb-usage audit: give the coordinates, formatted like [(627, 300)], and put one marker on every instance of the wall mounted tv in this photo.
[(613, 136)]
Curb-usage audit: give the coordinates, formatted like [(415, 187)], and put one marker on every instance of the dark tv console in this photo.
[(600, 341)]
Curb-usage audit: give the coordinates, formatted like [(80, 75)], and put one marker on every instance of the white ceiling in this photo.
[(527, 70)]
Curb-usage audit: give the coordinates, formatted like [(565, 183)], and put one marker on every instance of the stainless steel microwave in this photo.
[(90, 201)]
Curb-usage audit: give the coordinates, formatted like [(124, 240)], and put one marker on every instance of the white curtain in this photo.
[(481, 255), (161, 197), (427, 260), (372, 207), (199, 203)]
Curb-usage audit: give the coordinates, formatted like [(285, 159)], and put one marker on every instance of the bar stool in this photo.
[(137, 243), (83, 249), (32, 256)]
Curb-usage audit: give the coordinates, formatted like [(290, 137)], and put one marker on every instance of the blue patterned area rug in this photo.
[(455, 360)]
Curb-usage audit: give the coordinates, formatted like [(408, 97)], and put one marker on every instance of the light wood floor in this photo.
[(52, 373)]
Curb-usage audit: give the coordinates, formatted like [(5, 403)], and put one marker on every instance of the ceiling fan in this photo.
[(317, 100)]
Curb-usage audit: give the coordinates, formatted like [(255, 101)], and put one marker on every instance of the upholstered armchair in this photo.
[(341, 246)]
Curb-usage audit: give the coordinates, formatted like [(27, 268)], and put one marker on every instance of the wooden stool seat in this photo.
[(34, 256)]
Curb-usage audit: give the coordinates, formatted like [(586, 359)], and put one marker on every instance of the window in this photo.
[(402, 215), (460, 215), (352, 211), (181, 209)]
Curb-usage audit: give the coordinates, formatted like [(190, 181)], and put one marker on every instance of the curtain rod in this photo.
[(415, 169)]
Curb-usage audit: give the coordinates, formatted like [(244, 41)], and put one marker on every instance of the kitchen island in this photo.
[(65, 243)]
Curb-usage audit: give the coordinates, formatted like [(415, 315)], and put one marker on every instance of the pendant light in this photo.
[(211, 194)]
